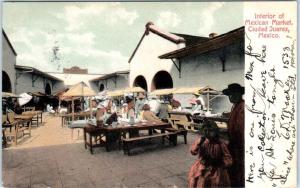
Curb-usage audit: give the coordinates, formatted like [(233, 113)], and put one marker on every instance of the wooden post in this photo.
[(73, 109), (207, 102), (91, 111)]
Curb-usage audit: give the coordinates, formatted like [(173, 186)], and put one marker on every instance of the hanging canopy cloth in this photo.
[(24, 98), (163, 91), (9, 95), (79, 90)]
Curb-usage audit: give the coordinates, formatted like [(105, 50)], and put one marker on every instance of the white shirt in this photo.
[(154, 105)]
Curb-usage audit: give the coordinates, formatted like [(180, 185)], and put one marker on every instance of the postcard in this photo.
[(149, 94)]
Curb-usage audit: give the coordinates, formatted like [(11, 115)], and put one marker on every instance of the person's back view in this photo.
[(163, 111)]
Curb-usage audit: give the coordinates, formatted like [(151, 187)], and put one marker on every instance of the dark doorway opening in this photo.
[(6, 83), (101, 88), (162, 80), (141, 82), (48, 89)]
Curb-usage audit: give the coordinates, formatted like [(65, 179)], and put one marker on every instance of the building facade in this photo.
[(74, 75), (113, 81), (145, 65), (29, 79), (214, 61), (9, 56)]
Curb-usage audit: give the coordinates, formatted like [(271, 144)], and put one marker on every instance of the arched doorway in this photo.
[(141, 82), (101, 88), (162, 80), (48, 89), (6, 83)]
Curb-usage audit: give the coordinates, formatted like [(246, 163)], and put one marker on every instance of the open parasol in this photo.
[(79, 90)]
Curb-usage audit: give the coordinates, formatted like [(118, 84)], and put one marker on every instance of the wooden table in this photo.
[(15, 128), (199, 118), (36, 116), (69, 116), (123, 129)]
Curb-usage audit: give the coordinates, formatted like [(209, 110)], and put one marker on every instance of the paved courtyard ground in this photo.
[(50, 158)]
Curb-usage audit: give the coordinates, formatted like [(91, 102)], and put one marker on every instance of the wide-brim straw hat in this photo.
[(234, 88)]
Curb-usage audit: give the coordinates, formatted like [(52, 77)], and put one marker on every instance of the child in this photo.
[(213, 158)]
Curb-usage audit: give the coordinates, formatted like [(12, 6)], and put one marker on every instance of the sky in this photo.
[(101, 36)]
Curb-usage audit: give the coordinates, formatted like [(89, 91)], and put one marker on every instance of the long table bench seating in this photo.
[(16, 126), (178, 127), (128, 142), (93, 132)]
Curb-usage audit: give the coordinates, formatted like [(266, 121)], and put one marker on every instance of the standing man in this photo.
[(236, 127)]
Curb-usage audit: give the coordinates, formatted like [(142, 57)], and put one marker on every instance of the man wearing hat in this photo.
[(236, 127), (140, 102)]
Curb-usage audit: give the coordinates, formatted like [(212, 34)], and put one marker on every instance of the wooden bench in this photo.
[(180, 131), (127, 142)]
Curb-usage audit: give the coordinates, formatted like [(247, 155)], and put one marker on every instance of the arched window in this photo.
[(141, 82), (162, 80)]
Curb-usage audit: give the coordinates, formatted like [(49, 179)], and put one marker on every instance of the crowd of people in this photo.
[(141, 107)]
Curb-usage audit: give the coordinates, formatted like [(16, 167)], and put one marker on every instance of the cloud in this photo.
[(168, 19), (81, 39), (112, 13), (74, 15), (74, 49), (207, 18), (120, 14)]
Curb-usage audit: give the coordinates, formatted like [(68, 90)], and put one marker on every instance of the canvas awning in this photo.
[(24, 99), (121, 92), (9, 95), (163, 91), (187, 90), (80, 90), (115, 93), (209, 90), (134, 90)]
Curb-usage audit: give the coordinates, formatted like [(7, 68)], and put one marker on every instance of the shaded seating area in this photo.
[(37, 115), (15, 127), (105, 136)]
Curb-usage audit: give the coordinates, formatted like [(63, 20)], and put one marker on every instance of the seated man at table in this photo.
[(164, 109), (131, 115), (50, 109), (198, 107), (154, 104), (146, 114)]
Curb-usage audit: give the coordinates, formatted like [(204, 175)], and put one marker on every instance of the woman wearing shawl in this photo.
[(210, 169)]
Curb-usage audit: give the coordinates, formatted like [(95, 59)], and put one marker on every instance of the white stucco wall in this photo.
[(8, 62), (146, 62), (206, 70), (122, 81)]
